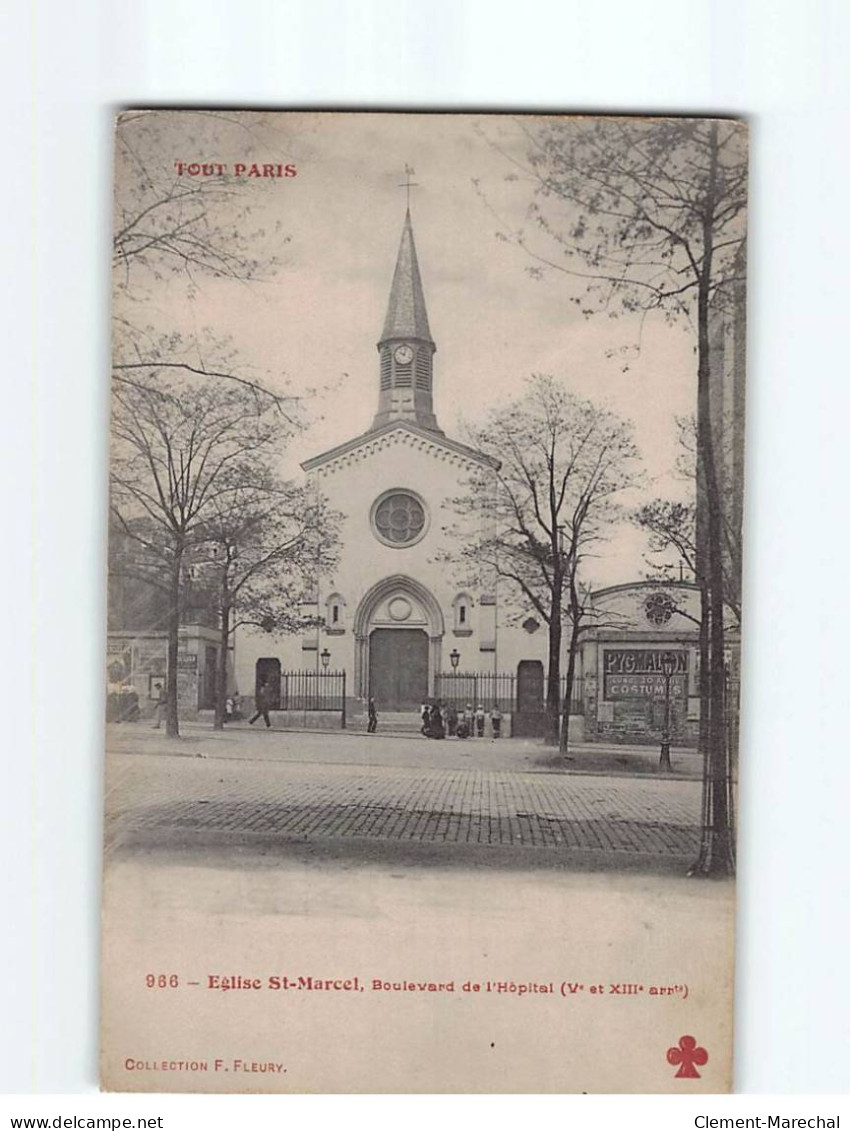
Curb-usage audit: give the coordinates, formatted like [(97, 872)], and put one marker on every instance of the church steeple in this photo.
[(406, 348)]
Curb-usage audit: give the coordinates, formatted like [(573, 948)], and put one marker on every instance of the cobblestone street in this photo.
[(156, 797)]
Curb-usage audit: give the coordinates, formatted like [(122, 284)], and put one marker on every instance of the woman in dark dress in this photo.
[(435, 722)]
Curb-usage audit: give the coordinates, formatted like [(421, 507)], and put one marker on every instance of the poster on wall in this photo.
[(427, 434)]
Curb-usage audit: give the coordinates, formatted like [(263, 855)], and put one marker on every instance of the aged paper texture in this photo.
[(423, 652)]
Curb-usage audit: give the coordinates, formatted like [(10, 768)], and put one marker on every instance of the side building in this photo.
[(136, 660)]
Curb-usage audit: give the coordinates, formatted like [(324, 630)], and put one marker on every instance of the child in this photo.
[(496, 721)]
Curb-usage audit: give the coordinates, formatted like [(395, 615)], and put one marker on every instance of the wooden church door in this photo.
[(398, 668)]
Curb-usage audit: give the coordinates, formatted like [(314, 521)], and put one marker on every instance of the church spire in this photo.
[(406, 348), (406, 313)]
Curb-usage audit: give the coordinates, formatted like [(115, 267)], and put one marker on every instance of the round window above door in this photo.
[(399, 518)]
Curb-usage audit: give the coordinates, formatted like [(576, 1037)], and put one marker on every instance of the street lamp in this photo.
[(326, 658), (668, 666), (454, 656)]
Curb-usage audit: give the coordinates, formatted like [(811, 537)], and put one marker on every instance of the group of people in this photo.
[(442, 719), (439, 720), (122, 703), (232, 707)]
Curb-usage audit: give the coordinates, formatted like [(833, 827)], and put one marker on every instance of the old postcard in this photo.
[(423, 655)]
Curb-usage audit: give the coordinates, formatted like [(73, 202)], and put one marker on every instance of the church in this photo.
[(394, 620), (391, 616)]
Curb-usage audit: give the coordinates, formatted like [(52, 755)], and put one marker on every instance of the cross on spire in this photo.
[(408, 183)]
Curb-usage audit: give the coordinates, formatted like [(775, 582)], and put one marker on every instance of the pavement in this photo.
[(382, 798), (391, 749)]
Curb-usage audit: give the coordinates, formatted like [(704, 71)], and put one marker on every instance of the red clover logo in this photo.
[(688, 1054)]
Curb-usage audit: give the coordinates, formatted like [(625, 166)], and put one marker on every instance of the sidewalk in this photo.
[(345, 747)]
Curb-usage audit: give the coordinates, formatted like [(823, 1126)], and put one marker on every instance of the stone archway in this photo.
[(397, 603)]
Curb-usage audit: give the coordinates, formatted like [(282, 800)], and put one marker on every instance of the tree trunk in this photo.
[(704, 668), (172, 727), (716, 855), (568, 693), (221, 671), (553, 679)]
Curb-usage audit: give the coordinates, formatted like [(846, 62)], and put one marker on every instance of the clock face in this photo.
[(403, 355)]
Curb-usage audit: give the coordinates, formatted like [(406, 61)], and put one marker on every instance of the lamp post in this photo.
[(326, 658), (668, 666), (454, 656)]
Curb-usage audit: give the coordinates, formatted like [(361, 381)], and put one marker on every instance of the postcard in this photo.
[(424, 602)]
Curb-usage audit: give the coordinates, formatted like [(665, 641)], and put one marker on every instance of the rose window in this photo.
[(399, 519), (658, 608)]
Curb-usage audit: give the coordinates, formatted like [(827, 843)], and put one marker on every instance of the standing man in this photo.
[(160, 705), (373, 717), (263, 702), (479, 719)]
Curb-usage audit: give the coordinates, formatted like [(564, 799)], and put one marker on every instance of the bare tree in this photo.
[(540, 505), (167, 222), (170, 227), (671, 526), (644, 215), (582, 615), (181, 449)]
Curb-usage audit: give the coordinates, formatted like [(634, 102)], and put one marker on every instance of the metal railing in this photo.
[(489, 688), (307, 691), (576, 700), (485, 688)]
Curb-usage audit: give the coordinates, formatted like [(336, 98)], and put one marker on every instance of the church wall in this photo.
[(395, 609), (618, 667), (352, 483)]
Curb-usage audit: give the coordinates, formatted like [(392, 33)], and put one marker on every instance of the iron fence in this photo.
[(485, 688), (490, 688), (576, 698), (312, 691)]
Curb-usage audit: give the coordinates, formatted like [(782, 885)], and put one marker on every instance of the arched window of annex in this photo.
[(462, 609), (335, 615)]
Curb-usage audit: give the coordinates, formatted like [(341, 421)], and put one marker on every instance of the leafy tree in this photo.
[(555, 467), (183, 450), (263, 545), (649, 215)]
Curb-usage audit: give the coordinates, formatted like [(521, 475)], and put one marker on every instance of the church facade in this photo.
[(392, 616), (401, 627)]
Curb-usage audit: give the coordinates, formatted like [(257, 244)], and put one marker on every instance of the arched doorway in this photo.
[(398, 631), (267, 674)]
